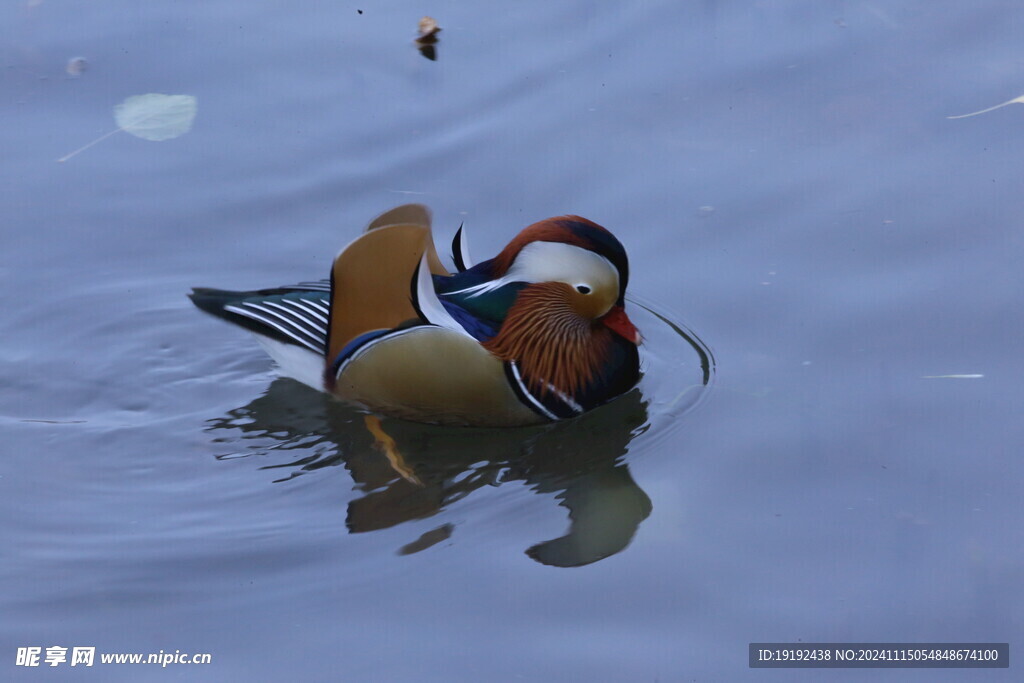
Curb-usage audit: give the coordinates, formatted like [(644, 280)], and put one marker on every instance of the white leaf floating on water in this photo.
[(1015, 100), (155, 117)]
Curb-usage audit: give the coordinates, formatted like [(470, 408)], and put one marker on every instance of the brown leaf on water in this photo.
[(428, 38), (428, 28)]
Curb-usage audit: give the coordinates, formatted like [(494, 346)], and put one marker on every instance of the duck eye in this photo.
[(583, 289)]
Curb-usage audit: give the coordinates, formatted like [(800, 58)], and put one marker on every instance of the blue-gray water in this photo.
[(788, 186)]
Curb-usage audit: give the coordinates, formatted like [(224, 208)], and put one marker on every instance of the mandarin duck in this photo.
[(536, 334)]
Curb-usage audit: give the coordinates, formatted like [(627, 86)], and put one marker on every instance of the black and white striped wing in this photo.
[(296, 314)]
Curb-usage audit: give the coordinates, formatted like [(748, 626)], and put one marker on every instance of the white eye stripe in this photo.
[(560, 262), (555, 262)]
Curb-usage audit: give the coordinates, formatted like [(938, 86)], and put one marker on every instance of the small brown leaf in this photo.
[(428, 27)]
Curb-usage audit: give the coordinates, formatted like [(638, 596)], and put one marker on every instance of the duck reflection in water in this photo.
[(408, 471)]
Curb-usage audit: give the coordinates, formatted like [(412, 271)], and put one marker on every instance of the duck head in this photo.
[(563, 283), (577, 252)]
